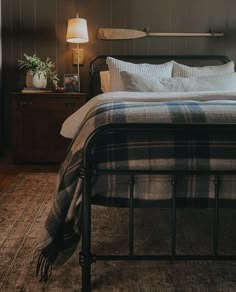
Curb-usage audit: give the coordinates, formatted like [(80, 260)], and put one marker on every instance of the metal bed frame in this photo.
[(86, 257)]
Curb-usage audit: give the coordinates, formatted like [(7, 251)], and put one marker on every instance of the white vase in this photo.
[(37, 81)]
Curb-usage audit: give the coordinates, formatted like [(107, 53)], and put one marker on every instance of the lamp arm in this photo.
[(77, 58)]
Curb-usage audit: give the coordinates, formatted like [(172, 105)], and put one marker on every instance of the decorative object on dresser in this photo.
[(71, 83), (39, 73), (37, 121), (77, 32)]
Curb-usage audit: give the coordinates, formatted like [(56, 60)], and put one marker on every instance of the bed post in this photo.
[(216, 216), (131, 215), (173, 225), (86, 258)]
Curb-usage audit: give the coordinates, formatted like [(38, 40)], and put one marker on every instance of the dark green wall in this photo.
[(39, 26)]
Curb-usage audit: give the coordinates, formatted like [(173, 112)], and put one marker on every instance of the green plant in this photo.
[(38, 67)]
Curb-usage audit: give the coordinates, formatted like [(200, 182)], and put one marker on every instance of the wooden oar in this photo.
[(123, 33)]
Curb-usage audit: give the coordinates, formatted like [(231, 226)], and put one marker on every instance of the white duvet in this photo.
[(73, 122)]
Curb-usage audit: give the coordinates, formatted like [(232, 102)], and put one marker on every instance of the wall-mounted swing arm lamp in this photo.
[(77, 33)]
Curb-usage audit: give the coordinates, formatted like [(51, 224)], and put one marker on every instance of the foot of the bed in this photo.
[(86, 278), (86, 258)]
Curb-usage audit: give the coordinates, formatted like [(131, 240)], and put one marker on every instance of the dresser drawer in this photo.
[(30, 103)]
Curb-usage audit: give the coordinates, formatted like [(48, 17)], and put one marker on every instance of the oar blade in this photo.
[(119, 34)]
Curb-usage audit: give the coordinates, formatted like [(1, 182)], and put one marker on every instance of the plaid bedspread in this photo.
[(61, 233)]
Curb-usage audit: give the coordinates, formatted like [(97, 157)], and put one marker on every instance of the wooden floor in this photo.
[(8, 169)]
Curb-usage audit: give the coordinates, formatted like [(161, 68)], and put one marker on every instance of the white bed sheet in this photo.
[(73, 122)]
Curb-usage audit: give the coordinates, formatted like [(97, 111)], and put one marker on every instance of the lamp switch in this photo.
[(75, 56)]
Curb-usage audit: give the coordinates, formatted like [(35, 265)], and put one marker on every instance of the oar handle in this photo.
[(185, 34)]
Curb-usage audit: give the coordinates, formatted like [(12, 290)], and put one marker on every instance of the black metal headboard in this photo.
[(99, 64)]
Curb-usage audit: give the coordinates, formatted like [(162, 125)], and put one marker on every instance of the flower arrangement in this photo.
[(37, 67)]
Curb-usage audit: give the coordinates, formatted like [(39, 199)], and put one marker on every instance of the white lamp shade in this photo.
[(77, 31)]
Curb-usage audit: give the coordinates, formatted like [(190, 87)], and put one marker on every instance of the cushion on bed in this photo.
[(105, 81), (145, 83), (180, 70), (116, 66)]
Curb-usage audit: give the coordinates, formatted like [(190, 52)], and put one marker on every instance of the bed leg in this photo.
[(86, 275), (173, 224), (131, 215), (86, 257), (216, 216)]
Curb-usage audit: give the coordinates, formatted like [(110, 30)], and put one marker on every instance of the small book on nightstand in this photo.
[(35, 90)]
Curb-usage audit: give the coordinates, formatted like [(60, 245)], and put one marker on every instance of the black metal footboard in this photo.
[(86, 256)]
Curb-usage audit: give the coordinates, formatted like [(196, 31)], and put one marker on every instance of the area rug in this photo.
[(25, 204)]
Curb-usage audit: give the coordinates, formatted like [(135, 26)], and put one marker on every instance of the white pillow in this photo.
[(180, 70), (105, 81), (116, 66), (141, 82)]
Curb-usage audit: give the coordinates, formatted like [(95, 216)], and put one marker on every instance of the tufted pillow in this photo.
[(180, 70), (116, 66)]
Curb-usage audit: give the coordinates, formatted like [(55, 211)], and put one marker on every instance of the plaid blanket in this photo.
[(61, 233)]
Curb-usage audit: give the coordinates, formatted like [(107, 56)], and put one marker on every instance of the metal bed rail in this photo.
[(86, 256)]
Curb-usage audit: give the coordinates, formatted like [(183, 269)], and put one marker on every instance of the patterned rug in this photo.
[(25, 204)]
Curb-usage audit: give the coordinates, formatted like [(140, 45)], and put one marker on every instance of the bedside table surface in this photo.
[(50, 94)]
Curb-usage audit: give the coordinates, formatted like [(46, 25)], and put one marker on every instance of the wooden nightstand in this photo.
[(37, 121)]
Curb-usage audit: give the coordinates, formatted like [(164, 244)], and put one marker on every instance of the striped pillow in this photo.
[(116, 66), (180, 70)]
